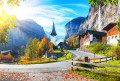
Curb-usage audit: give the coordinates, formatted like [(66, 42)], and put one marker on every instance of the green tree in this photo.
[(32, 48), (101, 2), (118, 28)]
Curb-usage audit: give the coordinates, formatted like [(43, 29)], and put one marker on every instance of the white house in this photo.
[(60, 40)]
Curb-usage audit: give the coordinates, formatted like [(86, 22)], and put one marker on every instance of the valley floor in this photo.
[(57, 71)]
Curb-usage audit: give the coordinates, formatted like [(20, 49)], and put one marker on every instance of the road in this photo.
[(81, 54), (47, 67)]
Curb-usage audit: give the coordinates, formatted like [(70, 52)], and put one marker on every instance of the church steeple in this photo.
[(53, 33)]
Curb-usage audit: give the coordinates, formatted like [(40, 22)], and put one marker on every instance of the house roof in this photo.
[(94, 33), (109, 26), (53, 30)]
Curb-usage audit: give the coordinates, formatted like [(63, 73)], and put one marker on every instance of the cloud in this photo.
[(44, 14), (80, 5)]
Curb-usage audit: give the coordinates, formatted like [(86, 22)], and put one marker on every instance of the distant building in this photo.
[(59, 41), (112, 33), (84, 37), (53, 34)]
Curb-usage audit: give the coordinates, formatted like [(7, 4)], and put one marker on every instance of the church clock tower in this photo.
[(53, 34)]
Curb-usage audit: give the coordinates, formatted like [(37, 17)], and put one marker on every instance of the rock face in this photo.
[(108, 14), (73, 26), (24, 30)]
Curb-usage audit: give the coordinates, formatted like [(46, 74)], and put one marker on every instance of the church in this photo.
[(53, 36)]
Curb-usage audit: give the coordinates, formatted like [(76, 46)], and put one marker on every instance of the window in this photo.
[(112, 37), (116, 36)]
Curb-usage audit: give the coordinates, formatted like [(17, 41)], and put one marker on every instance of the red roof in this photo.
[(109, 26)]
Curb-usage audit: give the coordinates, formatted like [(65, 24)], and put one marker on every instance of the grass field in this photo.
[(102, 76), (68, 56), (38, 61)]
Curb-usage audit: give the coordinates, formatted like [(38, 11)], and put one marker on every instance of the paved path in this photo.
[(47, 67), (83, 54), (57, 71)]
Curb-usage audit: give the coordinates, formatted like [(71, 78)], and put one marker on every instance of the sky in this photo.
[(43, 12)]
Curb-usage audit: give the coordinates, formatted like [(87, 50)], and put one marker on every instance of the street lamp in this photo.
[(94, 47), (91, 37), (67, 44)]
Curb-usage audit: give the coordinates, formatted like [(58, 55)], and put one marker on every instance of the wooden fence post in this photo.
[(86, 59), (89, 59), (56, 58), (92, 66), (49, 59), (72, 65), (100, 60), (112, 57), (106, 59)]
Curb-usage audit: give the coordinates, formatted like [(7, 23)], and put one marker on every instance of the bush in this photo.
[(100, 48), (116, 52)]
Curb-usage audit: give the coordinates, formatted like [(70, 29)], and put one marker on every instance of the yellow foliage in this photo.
[(9, 54)]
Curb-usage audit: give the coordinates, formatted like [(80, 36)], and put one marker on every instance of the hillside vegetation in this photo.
[(101, 48)]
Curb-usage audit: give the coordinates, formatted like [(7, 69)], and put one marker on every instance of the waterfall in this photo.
[(99, 19)]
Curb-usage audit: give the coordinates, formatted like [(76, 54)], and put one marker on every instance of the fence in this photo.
[(93, 64), (103, 59)]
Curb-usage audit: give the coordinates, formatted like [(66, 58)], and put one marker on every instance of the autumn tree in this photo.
[(36, 48), (44, 44), (51, 46), (75, 45), (7, 20)]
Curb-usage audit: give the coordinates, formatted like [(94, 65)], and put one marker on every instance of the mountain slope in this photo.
[(24, 30), (73, 26), (108, 13)]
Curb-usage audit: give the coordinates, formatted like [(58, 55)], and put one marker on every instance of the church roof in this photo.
[(53, 30)]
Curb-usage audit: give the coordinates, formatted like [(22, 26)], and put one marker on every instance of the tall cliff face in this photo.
[(19, 35), (73, 26), (108, 14)]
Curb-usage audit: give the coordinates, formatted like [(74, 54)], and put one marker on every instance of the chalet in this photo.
[(84, 38), (112, 33)]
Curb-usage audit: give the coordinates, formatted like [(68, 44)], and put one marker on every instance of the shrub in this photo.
[(100, 48), (116, 52)]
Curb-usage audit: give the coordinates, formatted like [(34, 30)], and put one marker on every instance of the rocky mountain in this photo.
[(73, 26), (24, 30), (108, 13)]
